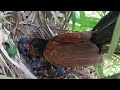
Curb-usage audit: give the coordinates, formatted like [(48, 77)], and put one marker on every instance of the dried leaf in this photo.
[(20, 65), (56, 18), (29, 19), (58, 14)]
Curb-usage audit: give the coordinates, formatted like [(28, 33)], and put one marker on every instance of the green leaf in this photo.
[(84, 22), (83, 18), (76, 28), (99, 70), (11, 49), (83, 28), (73, 20), (90, 21), (115, 39), (3, 20), (107, 71)]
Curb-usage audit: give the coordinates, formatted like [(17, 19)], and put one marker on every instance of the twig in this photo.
[(56, 18), (66, 21), (17, 22)]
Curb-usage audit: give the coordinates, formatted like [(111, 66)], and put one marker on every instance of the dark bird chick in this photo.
[(36, 48), (34, 56), (35, 63), (23, 46)]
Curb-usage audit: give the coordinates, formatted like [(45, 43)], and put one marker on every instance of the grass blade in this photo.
[(115, 38), (99, 70), (83, 21), (73, 20), (83, 18)]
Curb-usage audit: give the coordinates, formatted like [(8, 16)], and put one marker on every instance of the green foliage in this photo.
[(99, 71), (11, 49), (111, 66), (82, 22), (115, 38), (3, 20), (73, 20)]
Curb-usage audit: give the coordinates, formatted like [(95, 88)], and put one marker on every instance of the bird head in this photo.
[(37, 46)]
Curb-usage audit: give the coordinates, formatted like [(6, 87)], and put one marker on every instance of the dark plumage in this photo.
[(35, 63), (104, 29), (38, 44), (21, 46), (60, 71)]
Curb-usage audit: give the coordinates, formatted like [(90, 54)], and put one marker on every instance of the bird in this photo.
[(23, 42), (71, 50), (35, 63), (67, 50), (77, 49)]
